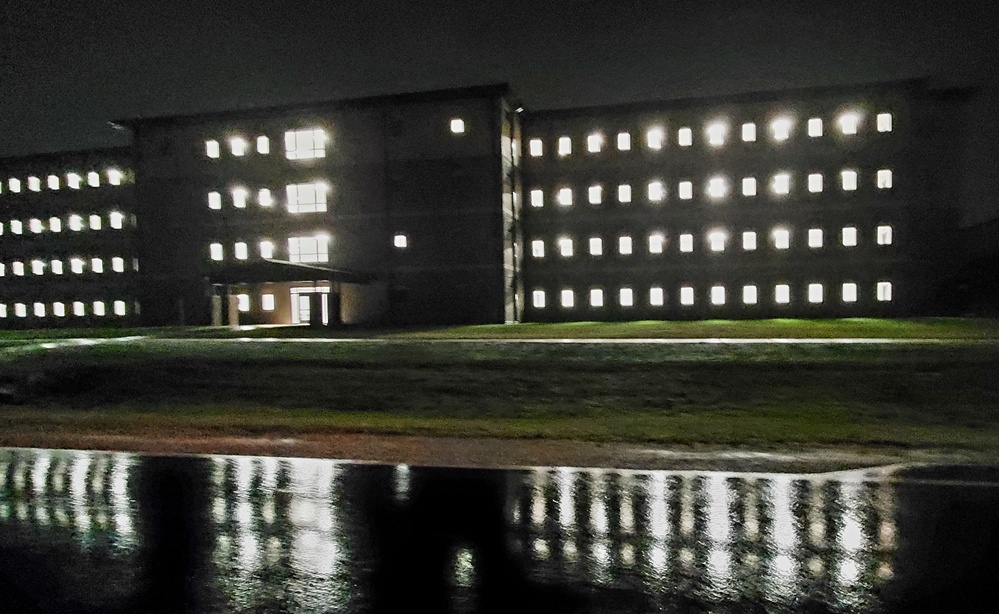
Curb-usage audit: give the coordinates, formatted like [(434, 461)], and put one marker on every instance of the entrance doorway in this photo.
[(305, 299)]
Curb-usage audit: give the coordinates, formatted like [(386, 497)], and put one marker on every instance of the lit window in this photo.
[(35, 226), (568, 298), (240, 251), (212, 149), (781, 183), (307, 197), (20, 310), (308, 249), (656, 243), (656, 296), (215, 251), (884, 179), (237, 146), (716, 134), (96, 265), (94, 179), (243, 302), (716, 241), (749, 186), (239, 196), (266, 250), (116, 219), (39, 310), (849, 180), (119, 308), (457, 126), (75, 223), (884, 122), (749, 132), (263, 145), (848, 123), (596, 194), (37, 267), (884, 291), (56, 267), (782, 238), (686, 295), (624, 193), (79, 309), (884, 235), (3, 310), (536, 148), (685, 137), (655, 138), (781, 129), (538, 298), (849, 236), (99, 308), (685, 190), (537, 198), (118, 264), (14, 185), (16, 227), (538, 248), (59, 310), (115, 177), (782, 294), (17, 268), (815, 292), (95, 222), (53, 182), (717, 295), (814, 237), (76, 266), (305, 144), (686, 243), (267, 302), (596, 297), (400, 241), (565, 246), (749, 240), (815, 127), (656, 191), (626, 297), (565, 197), (815, 182), (749, 295), (717, 187), (34, 184), (624, 141), (594, 142), (596, 246), (849, 292), (624, 246), (214, 200), (73, 180), (564, 146)]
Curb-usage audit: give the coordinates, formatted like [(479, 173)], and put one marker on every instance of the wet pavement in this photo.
[(118, 532)]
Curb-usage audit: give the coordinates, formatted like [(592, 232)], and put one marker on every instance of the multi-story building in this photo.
[(415, 208)]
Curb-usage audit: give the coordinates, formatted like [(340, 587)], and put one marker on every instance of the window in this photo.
[(594, 142), (35, 226), (212, 149), (39, 309), (308, 249), (749, 295), (3, 310), (686, 295), (215, 251), (59, 310), (884, 235), (685, 190), (34, 184), (99, 308), (624, 193), (849, 292), (76, 266), (656, 191), (848, 123), (263, 145), (717, 187), (656, 243), (96, 265), (884, 291), (565, 247), (716, 241), (565, 197), (782, 238), (16, 227), (781, 183), (115, 176), (596, 297), (815, 182), (214, 200), (243, 302), (538, 248), (884, 122), (626, 297), (267, 302), (686, 243), (781, 129), (20, 310), (94, 179), (717, 295), (782, 294), (37, 267), (749, 241), (56, 267), (849, 180), (656, 296), (564, 146), (266, 250), (118, 265), (685, 137), (116, 220), (716, 134), (849, 236), (884, 179), (568, 299), (536, 149), (73, 180), (596, 246), (814, 127), (537, 198), (538, 298), (18, 268), (596, 194), (53, 182), (749, 186), (814, 237), (305, 144), (749, 132), (79, 309), (239, 197), (237, 146), (119, 308), (815, 292), (624, 246), (623, 141), (306, 197), (457, 126), (655, 138), (400, 241), (240, 251), (95, 222)]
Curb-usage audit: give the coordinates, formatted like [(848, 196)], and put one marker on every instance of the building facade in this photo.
[(458, 206)]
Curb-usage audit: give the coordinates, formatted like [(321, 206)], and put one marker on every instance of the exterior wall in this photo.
[(46, 226)]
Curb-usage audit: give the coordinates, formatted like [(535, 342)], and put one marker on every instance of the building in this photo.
[(457, 206)]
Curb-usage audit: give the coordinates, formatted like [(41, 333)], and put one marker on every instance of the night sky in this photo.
[(67, 67)]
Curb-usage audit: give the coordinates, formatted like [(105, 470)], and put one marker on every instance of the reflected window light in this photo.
[(596, 194), (76, 266), (240, 251), (95, 222), (596, 297), (594, 142), (565, 247), (565, 197), (538, 299), (59, 310), (655, 138), (814, 237), (849, 292), (884, 291), (212, 149), (214, 200), (815, 127), (848, 123), (35, 226), (596, 245), (237, 146), (118, 264), (686, 295), (37, 267), (267, 302), (34, 184), (624, 245), (215, 251), (884, 179), (657, 242), (623, 141), (624, 193), (849, 236), (263, 145), (849, 180), (457, 126), (815, 182), (716, 133), (815, 293), (97, 265), (537, 198), (781, 183), (781, 129), (266, 250), (568, 299), (686, 243), (305, 144), (749, 240), (99, 308), (884, 235), (657, 298), (74, 180), (749, 132), (685, 137), (749, 186), (94, 179), (239, 196), (782, 238), (656, 191), (717, 187), (53, 182), (749, 295), (717, 295), (716, 240), (626, 297), (538, 248), (685, 190), (116, 219), (535, 147), (56, 267), (884, 122), (782, 294), (564, 146), (243, 302)]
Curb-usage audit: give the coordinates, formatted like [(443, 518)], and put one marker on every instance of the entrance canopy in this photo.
[(282, 270)]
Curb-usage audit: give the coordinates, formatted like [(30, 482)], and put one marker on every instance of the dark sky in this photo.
[(67, 67)]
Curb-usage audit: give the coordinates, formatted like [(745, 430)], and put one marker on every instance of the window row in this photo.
[(73, 181), (718, 295), (719, 132), (300, 249), (61, 309), (715, 240), (74, 266), (75, 223), (715, 188), (299, 197)]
